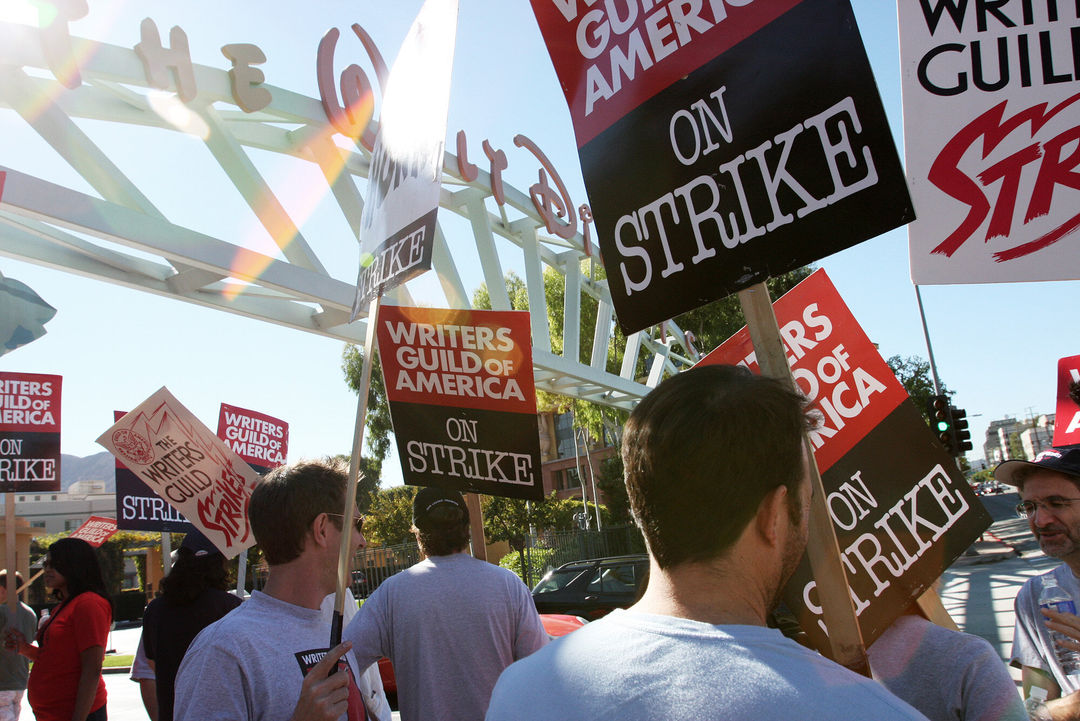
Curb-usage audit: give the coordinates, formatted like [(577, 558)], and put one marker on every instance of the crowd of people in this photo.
[(717, 472)]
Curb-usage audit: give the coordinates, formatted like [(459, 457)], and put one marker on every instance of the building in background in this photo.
[(59, 512), (572, 461)]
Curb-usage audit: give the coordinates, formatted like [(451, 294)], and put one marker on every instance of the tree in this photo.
[(389, 517), (1016, 447), (509, 519), (368, 483), (611, 483), (377, 422), (715, 322), (914, 374)]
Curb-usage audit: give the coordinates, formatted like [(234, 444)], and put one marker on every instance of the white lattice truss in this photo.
[(54, 226)]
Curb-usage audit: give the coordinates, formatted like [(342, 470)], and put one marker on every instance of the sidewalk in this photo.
[(978, 590)]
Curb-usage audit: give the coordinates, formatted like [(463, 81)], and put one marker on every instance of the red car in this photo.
[(556, 624)]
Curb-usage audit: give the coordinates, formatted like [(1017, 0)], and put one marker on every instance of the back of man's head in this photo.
[(440, 521), (702, 450), (289, 499)]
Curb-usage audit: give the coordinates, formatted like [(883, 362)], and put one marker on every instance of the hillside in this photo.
[(98, 467)]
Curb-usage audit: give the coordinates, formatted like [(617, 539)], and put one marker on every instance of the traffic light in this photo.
[(941, 421), (962, 437)]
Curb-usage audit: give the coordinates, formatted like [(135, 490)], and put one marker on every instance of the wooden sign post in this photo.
[(822, 550)]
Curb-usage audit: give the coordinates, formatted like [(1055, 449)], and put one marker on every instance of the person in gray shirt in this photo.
[(14, 667), (450, 623), (268, 660), (718, 478)]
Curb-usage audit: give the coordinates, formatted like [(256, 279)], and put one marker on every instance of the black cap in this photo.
[(1060, 460), (198, 544), (430, 498)]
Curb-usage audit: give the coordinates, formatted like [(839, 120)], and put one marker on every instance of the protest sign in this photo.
[(712, 161), (187, 465), (96, 530), (462, 401), (138, 508), (901, 510), (1067, 418), (261, 440), (397, 226), (29, 432), (991, 125)]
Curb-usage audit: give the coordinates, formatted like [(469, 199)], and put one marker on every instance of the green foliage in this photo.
[(368, 483), (389, 517), (914, 374), (1016, 447), (508, 519), (610, 482), (541, 558), (714, 323), (377, 421)]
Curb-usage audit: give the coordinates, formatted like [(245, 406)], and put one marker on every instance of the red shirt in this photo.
[(82, 623)]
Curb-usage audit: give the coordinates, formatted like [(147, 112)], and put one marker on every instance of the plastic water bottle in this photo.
[(1057, 599)]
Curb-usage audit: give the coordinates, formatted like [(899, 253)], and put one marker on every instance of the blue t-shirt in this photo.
[(629, 666)]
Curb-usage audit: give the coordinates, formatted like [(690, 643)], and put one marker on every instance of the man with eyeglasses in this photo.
[(1049, 489), (450, 623), (268, 660)]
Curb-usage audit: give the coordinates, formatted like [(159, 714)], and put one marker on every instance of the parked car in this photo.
[(554, 623), (594, 588)]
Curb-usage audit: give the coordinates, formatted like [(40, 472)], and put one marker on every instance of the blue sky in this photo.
[(996, 345)]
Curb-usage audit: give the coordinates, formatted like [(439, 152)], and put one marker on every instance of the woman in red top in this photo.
[(65, 680)]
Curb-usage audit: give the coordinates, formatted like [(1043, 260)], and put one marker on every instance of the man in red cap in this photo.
[(1049, 489), (450, 623)]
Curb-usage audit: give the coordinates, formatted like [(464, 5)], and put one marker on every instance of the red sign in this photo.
[(901, 510), (29, 432), (96, 530), (458, 358), (610, 60), (460, 385), (834, 363), (1067, 420), (261, 440)]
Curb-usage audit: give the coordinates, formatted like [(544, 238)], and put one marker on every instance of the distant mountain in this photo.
[(98, 467)]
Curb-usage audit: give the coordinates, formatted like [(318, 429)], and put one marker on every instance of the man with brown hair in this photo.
[(450, 623), (14, 667), (718, 479), (268, 659)]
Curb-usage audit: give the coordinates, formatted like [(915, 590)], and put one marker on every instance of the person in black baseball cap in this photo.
[(1049, 489), (450, 623)]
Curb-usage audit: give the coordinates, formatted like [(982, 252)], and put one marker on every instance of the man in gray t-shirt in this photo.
[(716, 470), (14, 667), (450, 623), (267, 660), (1049, 489)]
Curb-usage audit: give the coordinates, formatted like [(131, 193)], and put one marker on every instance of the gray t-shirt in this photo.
[(1032, 645), (945, 674), (629, 666), (14, 667), (450, 624), (249, 665)]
